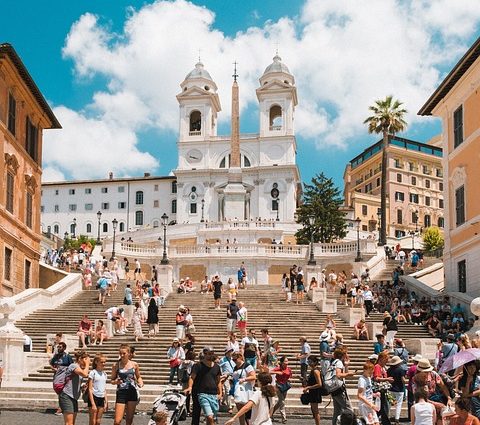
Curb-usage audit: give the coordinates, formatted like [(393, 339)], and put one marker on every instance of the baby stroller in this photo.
[(173, 402)]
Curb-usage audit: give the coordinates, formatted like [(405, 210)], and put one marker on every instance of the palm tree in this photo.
[(387, 119)]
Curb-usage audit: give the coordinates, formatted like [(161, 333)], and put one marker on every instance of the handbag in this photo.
[(305, 398), (175, 362), (241, 395)]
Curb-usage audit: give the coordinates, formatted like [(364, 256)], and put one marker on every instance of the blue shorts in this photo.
[(209, 404)]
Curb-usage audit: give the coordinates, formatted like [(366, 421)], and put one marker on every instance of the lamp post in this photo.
[(412, 234), (74, 228), (203, 208), (416, 221), (278, 209), (65, 237), (311, 261), (379, 216), (358, 258), (114, 225), (164, 222), (99, 217)]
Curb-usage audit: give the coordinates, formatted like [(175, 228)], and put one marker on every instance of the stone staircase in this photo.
[(266, 308)]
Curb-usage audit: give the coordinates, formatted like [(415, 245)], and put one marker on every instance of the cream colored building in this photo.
[(457, 102), (414, 186), (24, 114)]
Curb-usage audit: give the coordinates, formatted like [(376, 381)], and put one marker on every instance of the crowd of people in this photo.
[(251, 377)]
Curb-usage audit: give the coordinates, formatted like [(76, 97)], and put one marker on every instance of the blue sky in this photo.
[(111, 69)]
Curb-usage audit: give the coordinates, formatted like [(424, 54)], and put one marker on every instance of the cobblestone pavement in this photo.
[(37, 418)]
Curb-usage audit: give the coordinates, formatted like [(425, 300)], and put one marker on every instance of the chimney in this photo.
[(110, 175)]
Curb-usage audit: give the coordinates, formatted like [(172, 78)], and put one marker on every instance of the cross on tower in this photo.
[(276, 48), (235, 75)]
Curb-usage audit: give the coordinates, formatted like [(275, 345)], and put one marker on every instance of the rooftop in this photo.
[(452, 78), (410, 145), (7, 49), (108, 180)]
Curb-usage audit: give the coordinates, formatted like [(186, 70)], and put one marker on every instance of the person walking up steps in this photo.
[(232, 310)]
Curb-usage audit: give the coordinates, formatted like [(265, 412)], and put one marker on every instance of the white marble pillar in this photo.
[(11, 345), (165, 276)]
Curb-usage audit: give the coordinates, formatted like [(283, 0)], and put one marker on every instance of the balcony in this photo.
[(195, 133), (275, 128)]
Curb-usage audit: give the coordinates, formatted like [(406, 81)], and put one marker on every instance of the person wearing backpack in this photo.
[(334, 379), (67, 381)]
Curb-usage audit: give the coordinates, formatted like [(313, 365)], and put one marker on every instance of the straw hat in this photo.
[(373, 357), (424, 366), (325, 336), (417, 358), (394, 361)]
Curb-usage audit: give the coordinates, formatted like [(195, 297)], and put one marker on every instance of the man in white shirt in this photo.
[(368, 300), (250, 349)]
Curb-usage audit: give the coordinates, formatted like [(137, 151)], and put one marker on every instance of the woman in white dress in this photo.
[(145, 301), (137, 319)]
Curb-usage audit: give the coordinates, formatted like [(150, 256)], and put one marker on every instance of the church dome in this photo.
[(199, 72), (276, 66)]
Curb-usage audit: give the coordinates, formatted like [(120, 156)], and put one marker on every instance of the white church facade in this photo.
[(235, 196)]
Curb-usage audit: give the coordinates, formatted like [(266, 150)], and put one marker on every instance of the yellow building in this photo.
[(457, 102), (414, 186), (24, 114)]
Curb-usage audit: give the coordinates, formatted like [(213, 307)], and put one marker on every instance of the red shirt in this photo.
[(285, 376), (379, 372)]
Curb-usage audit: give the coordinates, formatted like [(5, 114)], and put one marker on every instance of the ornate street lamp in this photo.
[(99, 217), (358, 258), (114, 225), (311, 261), (74, 228), (416, 220), (164, 222), (203, 207)]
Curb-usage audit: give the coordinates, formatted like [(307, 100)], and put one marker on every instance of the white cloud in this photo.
[(90, 147), (344, 55), (52, 174)]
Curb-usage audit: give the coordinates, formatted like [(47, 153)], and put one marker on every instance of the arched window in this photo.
[(441, 222), (139, 197), (105, 228), (427, 221), (155, 223), (56, 229), (195, 123), (122, 227), (225, 162), (275, 118), (139, 218), (89, 228)]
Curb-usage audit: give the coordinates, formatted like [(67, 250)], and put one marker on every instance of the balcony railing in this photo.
[(275, 128), (195, 133), (253, 250)]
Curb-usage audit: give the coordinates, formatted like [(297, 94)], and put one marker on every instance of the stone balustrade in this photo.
[(251, 249)]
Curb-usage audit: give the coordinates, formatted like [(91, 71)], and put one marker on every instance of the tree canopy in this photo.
[(388, 117), (321, 200), (432, 239)]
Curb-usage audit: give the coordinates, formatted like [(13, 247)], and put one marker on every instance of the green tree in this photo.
[(387, 119), (321, 200), (432, 239)]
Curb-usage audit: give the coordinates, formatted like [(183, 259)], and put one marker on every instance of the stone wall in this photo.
[(49, 276)]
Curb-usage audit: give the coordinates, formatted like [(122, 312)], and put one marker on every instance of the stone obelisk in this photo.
[(235, 193)]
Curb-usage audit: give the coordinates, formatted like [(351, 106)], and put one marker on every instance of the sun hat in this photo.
[(417, 358), (228, 349), (175, 340), (451, 337), (181, 307), (325, 336), (424, 366), (394, 361), (373, 357)]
